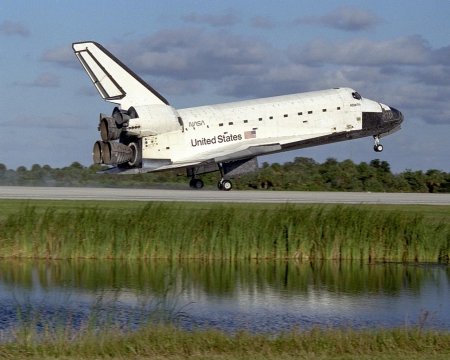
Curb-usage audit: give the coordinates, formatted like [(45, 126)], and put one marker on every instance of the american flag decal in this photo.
[(250, 134)]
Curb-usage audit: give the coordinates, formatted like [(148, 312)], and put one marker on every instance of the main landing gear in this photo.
[(196, 183), (377, 147)]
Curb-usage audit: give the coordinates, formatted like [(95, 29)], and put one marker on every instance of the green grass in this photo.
[(169, 342), (8, 206), (129, 230)]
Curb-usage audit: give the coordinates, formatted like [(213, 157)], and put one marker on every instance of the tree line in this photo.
[(304, 174)]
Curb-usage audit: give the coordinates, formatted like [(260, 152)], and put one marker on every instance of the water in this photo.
[(264, 296)]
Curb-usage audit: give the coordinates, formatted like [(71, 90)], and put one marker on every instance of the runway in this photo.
[(109, 194)]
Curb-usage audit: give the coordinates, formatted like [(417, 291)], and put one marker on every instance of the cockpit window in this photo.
[(356, 95)]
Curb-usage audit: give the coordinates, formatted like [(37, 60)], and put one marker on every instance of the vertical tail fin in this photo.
[(114, 81)]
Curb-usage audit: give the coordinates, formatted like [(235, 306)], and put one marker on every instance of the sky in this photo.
[(205, 52)]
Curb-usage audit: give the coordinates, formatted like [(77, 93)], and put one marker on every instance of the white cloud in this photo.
[(45, 80), (402, 72), (13, 28), (87, 91), (214, 20), (410, 50), (62, 121), (346, 18), (198, 54), (177, 87), (61, 55), (262, 22), (433, 75)]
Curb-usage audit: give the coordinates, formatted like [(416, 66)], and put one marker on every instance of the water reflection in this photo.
[(260, 296)]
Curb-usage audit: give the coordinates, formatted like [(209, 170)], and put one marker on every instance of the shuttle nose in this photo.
[(393, 116)]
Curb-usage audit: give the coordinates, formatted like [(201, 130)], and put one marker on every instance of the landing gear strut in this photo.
[(223, 184), (377, 147)]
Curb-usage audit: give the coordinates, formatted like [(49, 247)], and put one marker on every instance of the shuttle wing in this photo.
[(243, 153), (232, 155), (114, 81), (206, 160)]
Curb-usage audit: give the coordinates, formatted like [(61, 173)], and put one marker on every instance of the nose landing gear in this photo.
[(377, 147), (223, 184)]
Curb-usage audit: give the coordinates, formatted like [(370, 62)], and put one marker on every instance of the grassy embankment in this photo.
[(229, 231), (51, 336), (167, 342)]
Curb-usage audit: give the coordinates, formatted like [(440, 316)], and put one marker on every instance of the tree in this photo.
[(434, 179), (416, 180), (77, 165), (383, 166)]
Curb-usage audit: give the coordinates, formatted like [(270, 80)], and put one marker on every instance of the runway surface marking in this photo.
[(73, 193)]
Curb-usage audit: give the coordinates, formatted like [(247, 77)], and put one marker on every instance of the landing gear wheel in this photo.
[(196, 184), (226, 185), (378, 148)]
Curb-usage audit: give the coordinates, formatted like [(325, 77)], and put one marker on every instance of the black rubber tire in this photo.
[(196, 184), (226, 185), (378, 148)]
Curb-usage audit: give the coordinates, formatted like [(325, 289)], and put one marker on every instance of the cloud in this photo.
[(434, 75), (197, 54), (177, 87), (405, 72), (285, 79), (225, 20), (184, 54), (442, 56), (45, 80), (63, 121), (13, 28), (345, 18), (87, 91), (409, 50), (262, 22), (61, 55)]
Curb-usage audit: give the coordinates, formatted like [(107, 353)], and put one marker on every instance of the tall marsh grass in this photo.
[(169, 342), (173, 231)]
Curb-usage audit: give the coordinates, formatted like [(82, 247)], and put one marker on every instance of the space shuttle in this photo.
[(145, 134)]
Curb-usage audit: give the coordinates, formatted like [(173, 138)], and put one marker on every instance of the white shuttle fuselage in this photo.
[(153, 136)]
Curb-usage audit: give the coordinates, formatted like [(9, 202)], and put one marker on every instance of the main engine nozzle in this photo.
[(111, 127), (120, 116), (112, 153)]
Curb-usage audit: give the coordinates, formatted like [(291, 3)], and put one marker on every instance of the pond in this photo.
[(260, 296)]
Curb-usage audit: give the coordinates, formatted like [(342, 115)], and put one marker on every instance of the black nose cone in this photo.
[(393, 116)]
